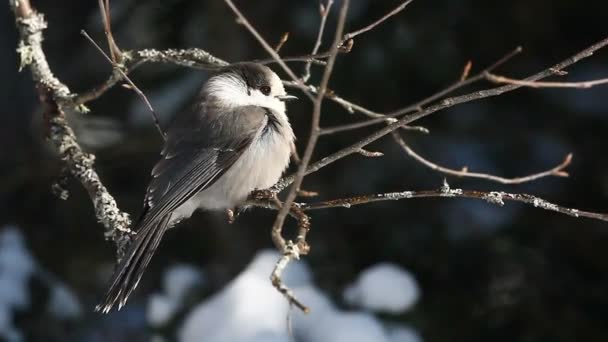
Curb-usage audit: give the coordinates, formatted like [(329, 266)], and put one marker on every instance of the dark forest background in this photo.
[(486, 273)]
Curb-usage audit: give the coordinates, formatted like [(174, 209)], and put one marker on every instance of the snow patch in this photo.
[(63, 303), (160, 310), (403, 334), (180, 279), (383, 287), (250, 309), (247, 309)]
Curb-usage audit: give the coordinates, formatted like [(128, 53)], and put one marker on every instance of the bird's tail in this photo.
[(130, 269)]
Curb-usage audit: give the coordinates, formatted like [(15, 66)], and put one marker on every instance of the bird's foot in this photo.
[(263, 194)]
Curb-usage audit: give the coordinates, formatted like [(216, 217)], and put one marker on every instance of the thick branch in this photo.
[(80, 165)]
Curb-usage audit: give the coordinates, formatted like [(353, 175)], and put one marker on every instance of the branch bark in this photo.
[(493, 197), (557, 171), (80, 164), (446, 103)]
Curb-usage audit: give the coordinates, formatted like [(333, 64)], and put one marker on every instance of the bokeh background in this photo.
[(514, 273)]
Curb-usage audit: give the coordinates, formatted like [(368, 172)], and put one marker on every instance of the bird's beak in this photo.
[(287, 97)]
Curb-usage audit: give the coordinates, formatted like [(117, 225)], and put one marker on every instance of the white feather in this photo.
[(264, 161)]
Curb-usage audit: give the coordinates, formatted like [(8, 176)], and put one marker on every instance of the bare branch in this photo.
[(104, 9), (98, 91), (370, 154), (80, 165), (557, 171), (371, 26), (140, 93), (243, 20), (282, 42), (192, 58), (312, 59), (466, 70), (493, 197), (380, 117), (314, 132), (324, 13), (532, 84), (446, 103)]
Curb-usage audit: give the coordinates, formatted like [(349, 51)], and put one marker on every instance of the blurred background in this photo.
[(415, 270)]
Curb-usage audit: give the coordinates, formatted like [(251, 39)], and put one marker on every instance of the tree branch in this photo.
[(324, 13), (312, 140), (390, 117), (80, 164), (446, 103), (118, 68), (534, 84), (371, 26), (557, 171), (243, 20), (493, 197)]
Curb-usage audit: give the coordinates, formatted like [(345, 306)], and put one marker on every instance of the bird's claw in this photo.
[(263, 194)]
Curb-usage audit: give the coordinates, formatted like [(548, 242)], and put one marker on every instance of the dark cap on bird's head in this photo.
[(247, 79)]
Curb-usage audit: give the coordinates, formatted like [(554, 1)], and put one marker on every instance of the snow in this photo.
[(247, 309), (321, 307), (181, 279), (250, 309), (348, 326), (15, 259), (63, 303), (160, 309), (403, 334), (385, 288), (178, 281), (17, 267)]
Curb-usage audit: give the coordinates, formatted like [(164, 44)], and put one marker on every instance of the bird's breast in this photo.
[(260, 167)]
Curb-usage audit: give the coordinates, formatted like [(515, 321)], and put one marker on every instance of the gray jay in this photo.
[(235, 138)]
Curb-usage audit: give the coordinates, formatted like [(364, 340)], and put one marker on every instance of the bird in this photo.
[(233, 139)]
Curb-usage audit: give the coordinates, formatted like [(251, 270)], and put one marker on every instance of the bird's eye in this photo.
[(265, 89)]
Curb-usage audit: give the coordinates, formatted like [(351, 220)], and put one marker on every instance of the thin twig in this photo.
[(141, 94), (370, 154), (493, 197), (324, 13), (371, 26), (104, 9), (282, 42), (446, 103), (243, 20), (101, 89), (313, 59), (534, 84), (466, 70), (314, 129), (192, 58), (557, 171), (380, 117)]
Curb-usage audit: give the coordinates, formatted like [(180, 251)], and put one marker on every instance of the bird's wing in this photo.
[(197, 152)]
